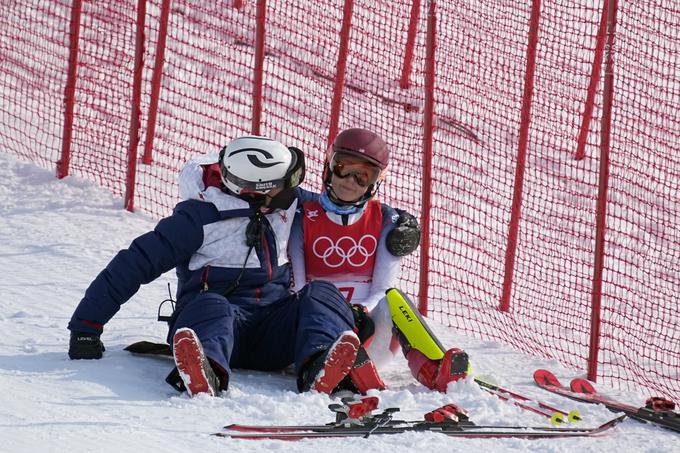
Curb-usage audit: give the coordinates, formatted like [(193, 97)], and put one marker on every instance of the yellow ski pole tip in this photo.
[(574, 416), (557, 419)]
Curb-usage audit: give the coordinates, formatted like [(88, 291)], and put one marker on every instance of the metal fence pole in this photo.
[(607, 99), (258, 72), (525, 123), (135, 109), (428, 134), (70, 91), (156, 82)]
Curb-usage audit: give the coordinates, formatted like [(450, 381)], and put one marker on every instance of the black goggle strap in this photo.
[(296, 173)]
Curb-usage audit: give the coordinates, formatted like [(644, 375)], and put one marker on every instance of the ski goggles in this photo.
[(364, 173)]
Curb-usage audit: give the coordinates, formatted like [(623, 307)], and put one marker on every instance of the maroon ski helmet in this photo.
[(363, 143)]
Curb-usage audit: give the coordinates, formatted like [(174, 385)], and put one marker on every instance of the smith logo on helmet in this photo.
[(264, 185)]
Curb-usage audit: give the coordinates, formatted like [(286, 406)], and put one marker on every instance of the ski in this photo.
[(354, 419), (398, 427), (556, 416), (658, 411)]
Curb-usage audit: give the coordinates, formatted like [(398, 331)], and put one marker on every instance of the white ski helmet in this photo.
[(256, 165)]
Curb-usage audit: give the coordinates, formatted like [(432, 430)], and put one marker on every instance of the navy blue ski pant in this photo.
[(268, 337)]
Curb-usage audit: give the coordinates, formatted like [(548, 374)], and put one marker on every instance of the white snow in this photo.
[(55, 236)]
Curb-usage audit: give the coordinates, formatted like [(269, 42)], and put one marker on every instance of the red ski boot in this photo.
[(436, 374), (325, 372), (193, 367)]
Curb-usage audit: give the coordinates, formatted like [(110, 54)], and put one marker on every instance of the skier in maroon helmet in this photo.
[(354, 241)]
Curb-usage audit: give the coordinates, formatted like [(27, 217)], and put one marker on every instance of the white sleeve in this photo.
[(385, 271), (190, 178), (296, 253)]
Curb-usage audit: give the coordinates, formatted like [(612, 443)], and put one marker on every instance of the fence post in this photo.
[(70, 90), (594, 80), (343, 51), (607, 99), (258, 72), (410, 44), (156, 82), (135, 110), (428, 133), (513, 230)]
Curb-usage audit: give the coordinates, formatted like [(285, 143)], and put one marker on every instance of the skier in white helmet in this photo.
[(228, 242)]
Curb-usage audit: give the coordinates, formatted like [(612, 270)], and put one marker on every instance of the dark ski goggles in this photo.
[(345, 165)]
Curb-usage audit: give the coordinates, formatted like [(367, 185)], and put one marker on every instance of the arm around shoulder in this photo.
[(405, 236)]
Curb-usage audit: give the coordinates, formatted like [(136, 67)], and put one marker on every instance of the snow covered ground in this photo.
[(55, 236)]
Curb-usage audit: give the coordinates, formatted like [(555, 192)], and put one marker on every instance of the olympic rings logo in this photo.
[(345, 250)]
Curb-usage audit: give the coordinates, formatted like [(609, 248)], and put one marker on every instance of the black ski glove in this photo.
[(364, 326), (405, 237), (85, 346)]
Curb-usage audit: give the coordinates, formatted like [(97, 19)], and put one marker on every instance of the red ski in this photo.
[(658, 411), (449, 420)]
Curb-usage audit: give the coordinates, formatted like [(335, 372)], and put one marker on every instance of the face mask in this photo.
[(282, 200), (255, 200)]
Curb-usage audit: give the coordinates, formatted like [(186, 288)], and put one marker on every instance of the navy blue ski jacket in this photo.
[(205, 241)]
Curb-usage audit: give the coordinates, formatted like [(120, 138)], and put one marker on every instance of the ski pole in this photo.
[(572, 416)]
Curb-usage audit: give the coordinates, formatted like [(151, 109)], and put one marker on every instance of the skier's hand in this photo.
[(364, 326), (405, 237), (85, 346)]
